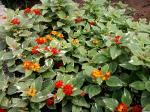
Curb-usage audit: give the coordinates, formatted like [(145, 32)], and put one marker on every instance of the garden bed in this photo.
[(57, 56)]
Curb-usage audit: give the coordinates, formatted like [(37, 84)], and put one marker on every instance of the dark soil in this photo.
[(142, 8)]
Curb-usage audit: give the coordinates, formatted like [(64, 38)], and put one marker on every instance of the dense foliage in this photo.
[(89, 59)]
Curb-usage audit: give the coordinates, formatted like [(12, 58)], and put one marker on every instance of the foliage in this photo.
[(89, 59)]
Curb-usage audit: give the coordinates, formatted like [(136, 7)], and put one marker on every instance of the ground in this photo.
[(142, 8)]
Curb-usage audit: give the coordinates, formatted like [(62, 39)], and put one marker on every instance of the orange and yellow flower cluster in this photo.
[(99, 74), (31, 66), (60, 35)]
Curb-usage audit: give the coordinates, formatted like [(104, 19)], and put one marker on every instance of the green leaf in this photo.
[(16, 102), (114, 52), (110, 103), (38, 83), (60, 95), (105, 68), (146, 108), (38, 98), (135, 61), (100, 58), (114, 82), (96, 108), (3, 81), (128, 66), (126, 97), (76, 108), (145, 98), (88, 69), (80, 101), (92, 90), (7, 56), (147, 85), (138, 85), (2, 95), (11, 43)]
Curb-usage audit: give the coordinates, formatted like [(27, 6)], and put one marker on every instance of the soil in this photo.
[(142, 8)]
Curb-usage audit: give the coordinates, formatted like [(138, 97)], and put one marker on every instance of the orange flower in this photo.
[(31, 91), (41, 40), (35, 67), (60, 35), (122, 107), (97, 74), (54, 33), (27, 64), (106, 76), (49, 37)]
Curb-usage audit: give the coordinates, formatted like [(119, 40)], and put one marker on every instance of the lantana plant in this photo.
[(58, 55)]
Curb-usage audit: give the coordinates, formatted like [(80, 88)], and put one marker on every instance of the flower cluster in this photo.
[(60, 35), (122, 107), (136, 108), (3, 110), (41, 40), (116, 39), (15, 21), (67, 88), (31, 91), (50, 101), (31, 66), (35, 11), (99, 74)]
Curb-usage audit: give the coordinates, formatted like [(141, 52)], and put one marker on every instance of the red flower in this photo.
[(54, 51), (46, 48), (41, 40), (35, 50), (50, 101), (27, 10), (136, 108), (117, 40), (122, 107), (3, 110), (37, 11), (59, 84), (68, 89), (92, 23), (15, 21), (78, 20)]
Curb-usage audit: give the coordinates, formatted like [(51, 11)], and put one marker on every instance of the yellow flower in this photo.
[(35, 67), (75, 41), (54, 33), (60, 35), (31, 91), (95, 41), (49, 37), (97, 74)]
